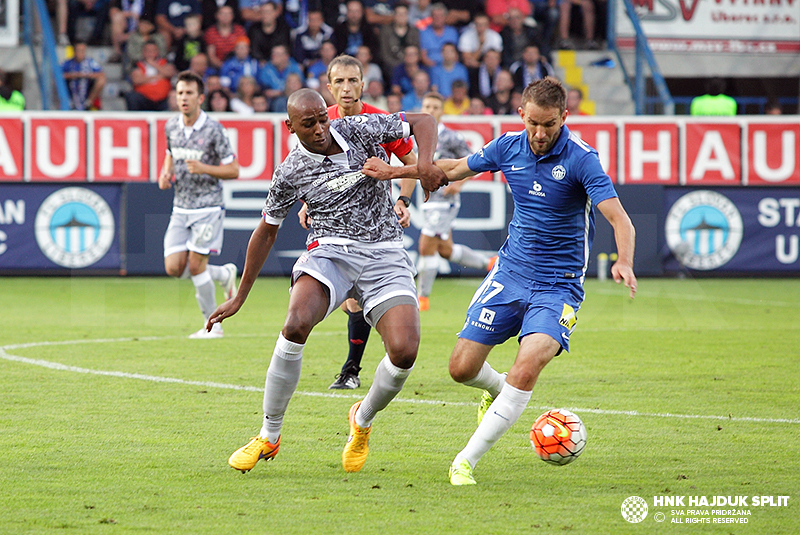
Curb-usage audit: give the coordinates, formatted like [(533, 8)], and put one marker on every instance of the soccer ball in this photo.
[(558, 436)]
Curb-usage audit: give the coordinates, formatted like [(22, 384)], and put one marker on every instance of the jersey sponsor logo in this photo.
[(704, 230), (559, 172), (182, 153), (537, 190), (345, 181), (486, 316), (568, 317), (515, 168), (74, 227)]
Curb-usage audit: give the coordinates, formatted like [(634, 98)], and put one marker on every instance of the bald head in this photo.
[(304, 100), (308, 118)]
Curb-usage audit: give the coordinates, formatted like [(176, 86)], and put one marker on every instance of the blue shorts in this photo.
[(507, 304)]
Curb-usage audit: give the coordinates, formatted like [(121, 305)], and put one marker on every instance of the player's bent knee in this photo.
[(461, 372)]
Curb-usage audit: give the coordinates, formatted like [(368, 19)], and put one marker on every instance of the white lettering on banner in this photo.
[(638, 156), (769, 213), (602, 144), (760, 165), (7, 163), (3, 238), (131, 152), (712, 156), (44, 154), (250, 198), (12, 212), (258, 152), (784, 256)]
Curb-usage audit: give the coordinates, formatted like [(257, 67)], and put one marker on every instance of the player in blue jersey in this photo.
[(535, 289)]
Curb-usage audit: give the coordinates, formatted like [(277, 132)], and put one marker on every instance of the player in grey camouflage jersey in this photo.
[(355, 250), (198, 157), (440, 212)]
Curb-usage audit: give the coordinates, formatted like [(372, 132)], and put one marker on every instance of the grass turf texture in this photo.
[(96, 454)]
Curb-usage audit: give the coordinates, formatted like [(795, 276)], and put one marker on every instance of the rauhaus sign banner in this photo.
[(714, 26)]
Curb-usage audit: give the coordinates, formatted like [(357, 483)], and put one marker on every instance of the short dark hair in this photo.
[(433, 94), (547, 92), (347, 61), (190, 76)]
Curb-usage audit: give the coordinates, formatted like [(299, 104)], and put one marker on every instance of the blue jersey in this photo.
[(552, 228)]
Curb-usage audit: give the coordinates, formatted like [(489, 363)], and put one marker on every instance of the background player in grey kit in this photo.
[(198, 157), (355, 249), (441, 210)]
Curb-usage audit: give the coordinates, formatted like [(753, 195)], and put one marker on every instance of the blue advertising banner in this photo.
[(59, 227), (733, 229)]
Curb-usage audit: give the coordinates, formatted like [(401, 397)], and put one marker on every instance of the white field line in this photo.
[(209, 384)]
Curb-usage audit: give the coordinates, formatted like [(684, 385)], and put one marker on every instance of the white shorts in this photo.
[(378, 278), (199, 231), (439, 219)]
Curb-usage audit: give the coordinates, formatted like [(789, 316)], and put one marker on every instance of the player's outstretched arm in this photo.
[(625, 238), (453, 169), (258, 248), (426, 132)]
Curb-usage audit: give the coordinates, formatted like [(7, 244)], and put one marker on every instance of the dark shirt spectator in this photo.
[(309, 38), (271, 31), (354, 31), (191, 44), (482, 79), (532, 67), (170, 16), (516, 36), (211, 7), (395, 37), (403, 74), (125, 15), (96, 9)]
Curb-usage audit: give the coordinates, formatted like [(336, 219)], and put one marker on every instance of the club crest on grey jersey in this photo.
[(208, 144), (342, 201)]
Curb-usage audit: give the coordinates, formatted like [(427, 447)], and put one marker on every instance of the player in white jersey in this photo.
[(535, 289), (198, 157), (355, 250), (440, 212)]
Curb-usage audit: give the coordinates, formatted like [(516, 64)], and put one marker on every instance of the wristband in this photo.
[(406, 200)]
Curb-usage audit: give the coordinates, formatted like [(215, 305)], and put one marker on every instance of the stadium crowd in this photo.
[(252, 54)]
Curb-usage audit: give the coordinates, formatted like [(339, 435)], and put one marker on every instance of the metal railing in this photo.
[(638, 82), (52, 87)]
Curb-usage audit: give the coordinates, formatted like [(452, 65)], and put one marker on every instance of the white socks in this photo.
[(218, 273), (488, 379), (502, 414), (428, 269), (388, 382), (467, 257), (205, 293), (283, 375)]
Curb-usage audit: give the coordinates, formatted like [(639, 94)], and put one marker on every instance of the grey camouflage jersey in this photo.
[(208, 143), (451, 145), (342, 201)]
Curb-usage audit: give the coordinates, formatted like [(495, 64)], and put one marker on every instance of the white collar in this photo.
[(198, 124), (321, 157)]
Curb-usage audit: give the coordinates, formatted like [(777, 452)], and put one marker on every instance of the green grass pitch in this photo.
[(112, 421)]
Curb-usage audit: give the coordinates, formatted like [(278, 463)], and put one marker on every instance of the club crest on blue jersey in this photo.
[(559, 172)]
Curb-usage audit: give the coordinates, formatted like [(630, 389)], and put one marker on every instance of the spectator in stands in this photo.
[(403, 74), (170, 17), (222, 37), (482, 79), (715, 101), (394, 103), (379, 12), (260, 103), (574, 99), (432, 38), (532, 67), (354, 31), (250, 12), (308, 39), (565, 19), (419, 14), (371, 70), (271, 30), (210, 8), (213, 82), (191, 44), (242, 102), (125, 15), (296, 12), (85, 79), (412, 101), (199, 66), (241, 64), (773, 107), (374, 94), (477, 39), (294, 82), (219, 101), (151, 81), (272, 75), (516, 37), (319, 67), (477, 107), (458, 102), (395, 37), (95, 9), (450, 70), (322, 83), (500, 101), (499, 11), (145, 31), (59, 10), (545, 13), (460, 12), (10, 98)]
